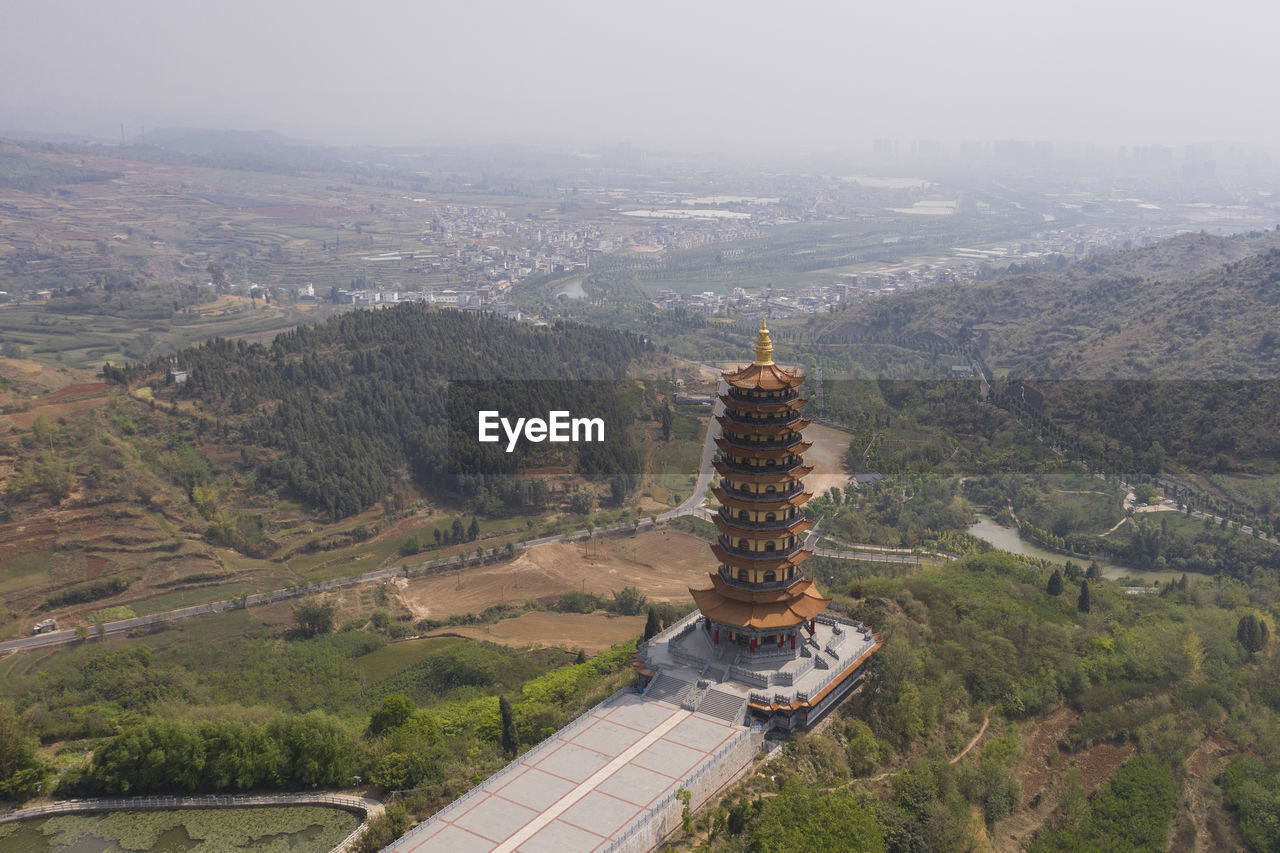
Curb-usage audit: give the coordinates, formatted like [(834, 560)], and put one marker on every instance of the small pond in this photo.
[(270, 829)]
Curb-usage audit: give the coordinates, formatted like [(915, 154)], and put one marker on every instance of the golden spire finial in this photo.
[(764, 345)]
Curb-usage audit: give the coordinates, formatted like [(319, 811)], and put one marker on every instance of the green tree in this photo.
[(582, 501), (510, 739), (1153, 460), (1252, 633), (314, 616), (628, 601), (652, 624), (1084, 603), (803, 818), (395, 710), (1055, 583)]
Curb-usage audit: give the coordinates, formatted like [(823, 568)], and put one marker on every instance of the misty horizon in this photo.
[(739, 78)]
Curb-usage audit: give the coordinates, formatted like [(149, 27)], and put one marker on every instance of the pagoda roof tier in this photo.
[(787, 612), (738, 501), (772, 594), (731, 424), (763, 475), (767, 377), (749, 530), (738, 561), (734, 404), (755, 451)]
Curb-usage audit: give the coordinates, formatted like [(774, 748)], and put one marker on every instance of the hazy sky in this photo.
[(688, 75)]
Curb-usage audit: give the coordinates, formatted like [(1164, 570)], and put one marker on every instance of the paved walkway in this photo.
[(589, 787)]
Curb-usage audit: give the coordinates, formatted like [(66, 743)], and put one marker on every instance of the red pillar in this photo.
[(813, 626), (793, 642), (753, 644), (716, 637)]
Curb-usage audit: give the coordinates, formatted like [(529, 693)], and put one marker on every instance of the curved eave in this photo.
[(778, 406), (728, 498), (728, 424), (760, 615), (734, 448), (763, 476), (764, 565), (768, 377), (801, 586), (797, 525)]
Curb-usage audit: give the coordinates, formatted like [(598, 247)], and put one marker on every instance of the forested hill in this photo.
[(1192, 307), (344, 408)]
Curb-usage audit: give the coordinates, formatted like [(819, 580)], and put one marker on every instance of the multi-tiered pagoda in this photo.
[(762, 644), (759, 596)]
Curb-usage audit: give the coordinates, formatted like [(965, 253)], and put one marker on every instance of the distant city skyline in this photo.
[(740, 77)]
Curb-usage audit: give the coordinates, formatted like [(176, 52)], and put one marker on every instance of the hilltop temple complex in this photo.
[(762, 652), (762, 630)]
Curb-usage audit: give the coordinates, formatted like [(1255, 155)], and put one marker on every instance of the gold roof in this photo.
[(764, 345)]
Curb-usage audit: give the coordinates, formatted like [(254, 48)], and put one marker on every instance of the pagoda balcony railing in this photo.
[(772, 420), (776, 554), (776, 524), (747, 444), (740, 397), (760, 469), (763, 497), (729, 578)]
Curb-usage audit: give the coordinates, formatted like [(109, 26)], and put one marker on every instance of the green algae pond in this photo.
[(268, 829)]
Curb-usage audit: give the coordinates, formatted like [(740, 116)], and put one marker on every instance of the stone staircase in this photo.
[(667, 688), (723, 705)]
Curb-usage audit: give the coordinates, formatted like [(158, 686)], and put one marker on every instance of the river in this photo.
[(1007, 539)]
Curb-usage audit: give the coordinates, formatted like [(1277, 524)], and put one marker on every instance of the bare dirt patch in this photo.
[(827, 458), (1042, 766), (1202, 823), (592, 632), (661, 564)]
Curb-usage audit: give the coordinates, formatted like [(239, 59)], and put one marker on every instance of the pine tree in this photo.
[(652, 625), (510, 739), (1252, 633), (1083, 604), (1055, 583)]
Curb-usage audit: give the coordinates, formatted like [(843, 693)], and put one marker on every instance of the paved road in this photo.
[(705, 471)]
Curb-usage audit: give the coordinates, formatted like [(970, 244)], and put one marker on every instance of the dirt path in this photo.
[(981, 731)]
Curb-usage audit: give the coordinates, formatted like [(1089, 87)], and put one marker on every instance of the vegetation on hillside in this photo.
[(346, 408), (1148, 680)]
